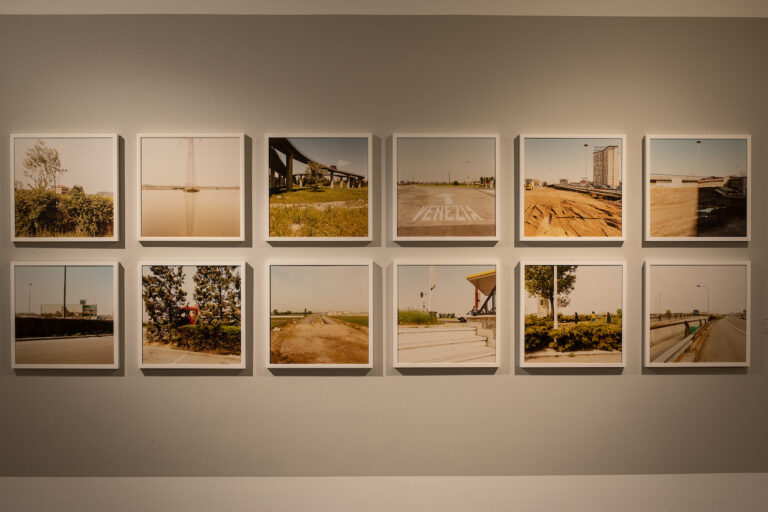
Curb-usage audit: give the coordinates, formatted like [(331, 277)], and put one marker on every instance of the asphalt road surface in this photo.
[(86, 350), (160, 353), (318, 339), (445, 211), (727, 342)]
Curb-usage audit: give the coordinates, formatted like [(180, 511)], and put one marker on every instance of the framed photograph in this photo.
[(697, 188), (191, 187), (318, 187), (445, 315), (575, 319), (572, 188), (192, 315), (697, 314), (320, 315), (64, 315), (445, 187), (65, 188)]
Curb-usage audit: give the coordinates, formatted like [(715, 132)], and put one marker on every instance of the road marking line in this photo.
[(742, 332)]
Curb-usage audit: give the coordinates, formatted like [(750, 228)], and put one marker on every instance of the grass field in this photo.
[(312, 221), (279, 322), (415, 317), (327, 194), (361, 320)]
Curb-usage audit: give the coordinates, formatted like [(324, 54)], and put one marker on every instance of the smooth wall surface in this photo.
[(384, 75)]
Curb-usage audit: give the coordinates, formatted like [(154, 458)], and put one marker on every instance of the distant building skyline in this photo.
[(606, 166), (553, 159)]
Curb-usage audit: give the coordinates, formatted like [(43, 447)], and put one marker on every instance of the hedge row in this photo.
[(46, 213), (539, 334), (223, 339), (37, 327)]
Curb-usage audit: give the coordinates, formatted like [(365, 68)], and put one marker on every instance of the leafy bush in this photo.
[(36, 327), (41, 213), (540, 334), (224, 339)]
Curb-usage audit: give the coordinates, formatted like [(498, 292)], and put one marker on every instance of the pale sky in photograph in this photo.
[(432, 159), (90, 162), (92, 283), (347, 153), (319, 288), (452, 292), (674, 287), (597, 288), (551, 159), (713, 157), (217, 161)]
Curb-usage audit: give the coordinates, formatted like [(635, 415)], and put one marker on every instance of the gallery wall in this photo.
[(384, 75)]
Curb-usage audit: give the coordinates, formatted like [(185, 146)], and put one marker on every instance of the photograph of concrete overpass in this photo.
[(445, 187), (572, 187), (446, 315), (64, 315), (320, 316), (697, 315)]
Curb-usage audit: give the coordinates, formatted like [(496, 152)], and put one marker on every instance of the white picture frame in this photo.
[(322, 239), (114, 169), (647, 172), (115, 315), (243, 316), (311, 263), (521, 305), (571, 239), (139, 177), (498, 181), (685, 343), (499, 304)]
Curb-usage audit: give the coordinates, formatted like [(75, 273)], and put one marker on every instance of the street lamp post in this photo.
[(709, 312)]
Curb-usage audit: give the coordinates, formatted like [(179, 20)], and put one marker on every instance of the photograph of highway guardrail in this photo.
[(697, 315)]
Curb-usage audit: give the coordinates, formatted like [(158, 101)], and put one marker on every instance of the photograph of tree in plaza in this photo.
[(64, 315), (697, 187), (445, 186), (697, 314), (319, 315), (192, 187), (318, 186), (446, 315), (64, 187), (574, 319), (192, 316), (572, 187)]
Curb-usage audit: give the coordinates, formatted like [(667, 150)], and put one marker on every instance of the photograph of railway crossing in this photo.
[(446, 315), (318, 187), (697, 315), (319, 315), (575, 319), (192, 316), (698, 187), (64, 316), (572, 187), (446, 186)]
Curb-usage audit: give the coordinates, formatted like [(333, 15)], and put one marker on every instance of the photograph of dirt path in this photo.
[(698, 187), (64, 316), (318, 187), (319, 315), (697, 315), (574, 319), (192, 316), (446, 186), (572, 187), (446, 315)]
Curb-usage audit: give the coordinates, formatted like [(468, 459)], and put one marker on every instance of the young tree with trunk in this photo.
[(42, 166), (539, 283), (164, 296)]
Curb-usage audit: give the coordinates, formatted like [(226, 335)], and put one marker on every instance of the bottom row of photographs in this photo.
[(65, 315)]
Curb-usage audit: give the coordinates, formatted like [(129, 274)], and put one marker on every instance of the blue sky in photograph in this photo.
[(551, 159), (92, 283), (452, 292), (347, 153), (713, 157), (445, 158), (319, 288), (598, 288)]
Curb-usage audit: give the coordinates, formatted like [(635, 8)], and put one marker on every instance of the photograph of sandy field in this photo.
[(446, 315), (191, 186), (64, 315), (576, 318), (319, 315), (318, 187), (572, 187), (698, 187), (697, 315), (446, 186)]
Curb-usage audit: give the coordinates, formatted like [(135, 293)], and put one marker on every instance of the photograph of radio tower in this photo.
[(191, 187)]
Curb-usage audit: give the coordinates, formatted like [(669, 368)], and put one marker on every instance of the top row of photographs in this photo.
[(191, 187)]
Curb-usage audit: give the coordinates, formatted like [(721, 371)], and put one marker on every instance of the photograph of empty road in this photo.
[(697, 315), (446, 315), (319, 315), (572, 187), (446, 187), (64, 316), (698, 187), (574, 319)]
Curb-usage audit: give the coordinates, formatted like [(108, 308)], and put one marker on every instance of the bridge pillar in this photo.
[(331, 180), (289, 172)]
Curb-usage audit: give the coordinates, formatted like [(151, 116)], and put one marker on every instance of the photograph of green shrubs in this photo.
[(575, 318), (192, 316), (64, 187)]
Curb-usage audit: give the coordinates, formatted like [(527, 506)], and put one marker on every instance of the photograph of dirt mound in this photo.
[(561, 213)]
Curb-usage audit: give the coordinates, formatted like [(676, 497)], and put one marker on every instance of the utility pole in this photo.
[(554, 296), (64, 306)]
